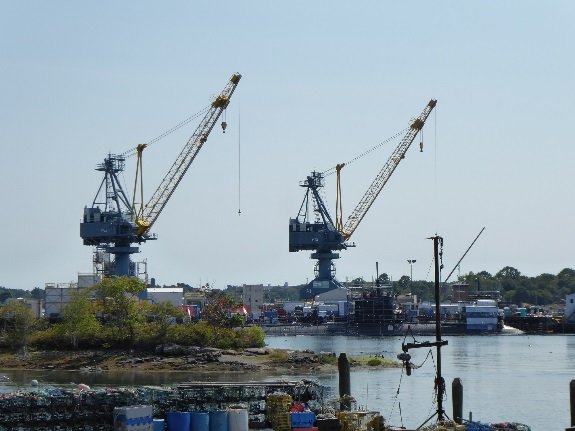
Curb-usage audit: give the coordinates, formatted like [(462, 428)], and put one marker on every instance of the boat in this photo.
[(376, 314), (473, 317), (532, 320)]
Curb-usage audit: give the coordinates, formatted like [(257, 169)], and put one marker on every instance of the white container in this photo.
[(237, 420), (133, 418)]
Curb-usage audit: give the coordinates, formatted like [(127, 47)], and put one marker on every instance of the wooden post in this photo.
[(344, 381), (572, 401), (457, 395)]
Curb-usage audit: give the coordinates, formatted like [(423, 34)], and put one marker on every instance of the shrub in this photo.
[(252, 336), (325, 358), (374, 362)]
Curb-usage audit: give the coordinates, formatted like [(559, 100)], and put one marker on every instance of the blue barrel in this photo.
[(199, 421), (219, 420), (158, 425), (178, 421)]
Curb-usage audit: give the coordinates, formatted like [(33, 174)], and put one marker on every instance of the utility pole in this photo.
[(439, 381), (411, 262), (438, 343)]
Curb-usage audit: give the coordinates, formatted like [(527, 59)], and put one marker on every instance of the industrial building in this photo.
[(171, 295)]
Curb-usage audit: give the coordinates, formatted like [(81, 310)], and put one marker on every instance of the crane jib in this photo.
[(168, 185), (313, 229), (381, 179), (113, 224)]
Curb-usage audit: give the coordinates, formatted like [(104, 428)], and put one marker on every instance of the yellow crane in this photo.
[(313, 229), (113, 224), (148, 215), (381, 179)]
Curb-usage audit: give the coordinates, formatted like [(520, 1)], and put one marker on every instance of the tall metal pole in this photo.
[(405, 357), (439, 382), (411, 262)]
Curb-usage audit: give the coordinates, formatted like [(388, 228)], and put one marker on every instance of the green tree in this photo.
[(509, 272), (218, 312), (162, 315), (79, 319), (383, 278), (119, 304), (20, 323), (38, 293), (4, 295), (566, 279), (403, 283), (521, 295)]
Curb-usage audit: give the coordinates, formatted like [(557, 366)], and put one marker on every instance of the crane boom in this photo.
[(168, 185), (377, 185)]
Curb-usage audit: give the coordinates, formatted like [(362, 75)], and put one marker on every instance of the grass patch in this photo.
[(374, 362), (279, 355), (329, 359)]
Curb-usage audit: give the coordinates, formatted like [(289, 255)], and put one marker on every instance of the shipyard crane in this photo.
[(318, 232), (113, 223)]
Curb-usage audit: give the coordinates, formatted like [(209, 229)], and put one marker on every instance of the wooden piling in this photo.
[(457, 396), (572, 401), (344, 381)]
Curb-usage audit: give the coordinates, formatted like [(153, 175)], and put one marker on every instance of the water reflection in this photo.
[(70, 379)]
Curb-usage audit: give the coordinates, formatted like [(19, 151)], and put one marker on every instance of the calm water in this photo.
[(505, 378)]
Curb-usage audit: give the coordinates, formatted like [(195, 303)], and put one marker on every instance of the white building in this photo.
[(333, 295), (57, 296), (35, 305), (60, 294), (253, 299), (88, 280), (290, 306), (334, 301), (172, 295), (570, 308)]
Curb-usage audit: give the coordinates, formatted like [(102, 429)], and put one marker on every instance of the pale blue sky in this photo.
[(322, 82)]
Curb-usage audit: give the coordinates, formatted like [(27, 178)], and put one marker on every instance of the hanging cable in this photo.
[(332, 170), (395, 398), (429, 270), (133, 151), (239, 163)]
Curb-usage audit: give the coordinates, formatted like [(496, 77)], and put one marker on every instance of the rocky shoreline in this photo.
[(167, 358), (179, 358)]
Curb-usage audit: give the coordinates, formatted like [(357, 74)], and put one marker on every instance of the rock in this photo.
[(257, 351)]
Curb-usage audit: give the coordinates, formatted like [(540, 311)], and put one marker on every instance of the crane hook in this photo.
[(421, 147), (224, 125)]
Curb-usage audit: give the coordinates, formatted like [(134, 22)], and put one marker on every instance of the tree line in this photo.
[(515, 288), (109, 316)]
